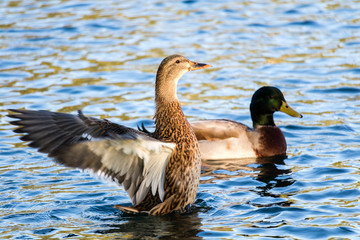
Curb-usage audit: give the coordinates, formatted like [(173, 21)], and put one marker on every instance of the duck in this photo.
[(222, 139), (160, 173)]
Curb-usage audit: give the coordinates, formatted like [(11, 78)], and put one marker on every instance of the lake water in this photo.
[(101, 56)]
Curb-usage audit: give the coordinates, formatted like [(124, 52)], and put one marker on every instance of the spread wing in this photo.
[(126, 156)]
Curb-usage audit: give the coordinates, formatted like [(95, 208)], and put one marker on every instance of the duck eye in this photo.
[(177, 61)]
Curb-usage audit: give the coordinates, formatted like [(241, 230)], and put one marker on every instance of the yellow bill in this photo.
[(289, 111)]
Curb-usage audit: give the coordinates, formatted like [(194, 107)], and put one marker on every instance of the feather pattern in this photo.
[(159, 171), (126, 156)]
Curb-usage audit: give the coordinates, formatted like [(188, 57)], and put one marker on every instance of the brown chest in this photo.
[(269, 141)]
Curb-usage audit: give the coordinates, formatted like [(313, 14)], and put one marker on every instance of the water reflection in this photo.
[(273, 176), (271, 172), (174, 226)]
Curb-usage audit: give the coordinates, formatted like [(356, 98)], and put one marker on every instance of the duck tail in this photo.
[(130, 210), (143, 129)]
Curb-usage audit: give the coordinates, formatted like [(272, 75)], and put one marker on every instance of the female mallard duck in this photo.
[(159, 172), (226, 139)]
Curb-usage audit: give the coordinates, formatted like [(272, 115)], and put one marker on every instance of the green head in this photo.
[(266, 101)]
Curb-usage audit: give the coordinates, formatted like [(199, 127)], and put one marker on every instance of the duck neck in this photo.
[(262, 119), (165, 87), (169, 118)]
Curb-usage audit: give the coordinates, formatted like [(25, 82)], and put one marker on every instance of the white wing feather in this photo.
[(125, 157)]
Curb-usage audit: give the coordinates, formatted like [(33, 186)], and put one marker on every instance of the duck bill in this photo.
[(285, 108), (196, 66)]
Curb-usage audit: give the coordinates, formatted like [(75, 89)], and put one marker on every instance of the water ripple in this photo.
[(101, 56)]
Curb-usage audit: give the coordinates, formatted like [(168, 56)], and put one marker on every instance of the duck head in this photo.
[(265, 102), (171, 69)]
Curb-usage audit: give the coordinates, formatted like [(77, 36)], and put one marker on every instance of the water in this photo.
[(101, 56)]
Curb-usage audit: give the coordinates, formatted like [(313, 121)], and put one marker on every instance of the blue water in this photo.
[(101, 56)]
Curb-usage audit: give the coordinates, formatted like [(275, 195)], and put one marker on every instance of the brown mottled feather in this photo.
[(182, 173), (159, 172)]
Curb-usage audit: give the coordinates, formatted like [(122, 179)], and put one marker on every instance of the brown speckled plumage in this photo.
[(182, 172), (160, 171), (183, 169)]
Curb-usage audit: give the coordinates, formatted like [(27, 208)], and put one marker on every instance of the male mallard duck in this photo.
[(226, 139), (160, 173)]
